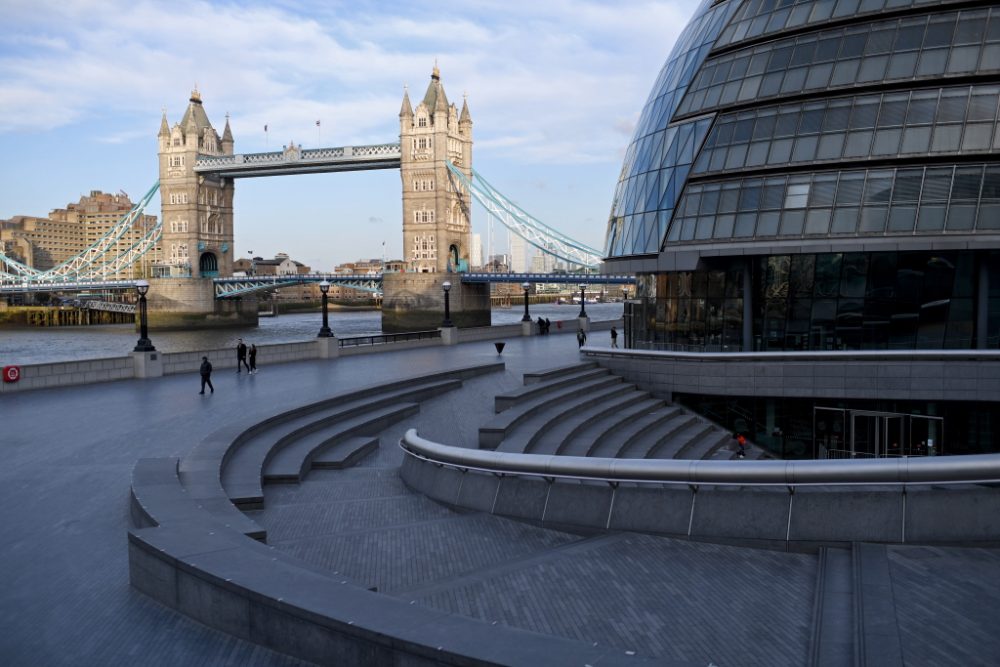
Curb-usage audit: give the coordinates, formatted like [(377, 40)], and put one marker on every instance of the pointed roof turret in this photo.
[(195, 114), (434, 98), (164, 127), (405, 110), (227, 134), (466, 117)]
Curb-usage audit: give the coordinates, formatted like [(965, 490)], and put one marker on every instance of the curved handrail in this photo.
[(902, 471)]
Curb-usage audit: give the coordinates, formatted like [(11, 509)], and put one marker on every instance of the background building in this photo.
[(823, 177), (43, 243)]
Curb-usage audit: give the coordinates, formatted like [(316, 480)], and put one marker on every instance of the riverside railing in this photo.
[(382, 339), (976, 468)]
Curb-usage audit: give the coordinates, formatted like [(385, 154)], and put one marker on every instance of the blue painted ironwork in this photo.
[(529, 228), (561, 278), (231, 288)]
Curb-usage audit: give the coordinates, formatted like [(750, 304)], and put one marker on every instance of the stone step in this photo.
[(876, 630), (680, 441), (707, 445), (293, 462), (641, 446), (521, 394), (585, 441), (523, 436), (615, 444), (552, 373), (832, 640), (346, 453), (570, 427), (497, 429)]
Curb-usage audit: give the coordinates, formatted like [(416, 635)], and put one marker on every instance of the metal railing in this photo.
[(976, 468), (382, 339)]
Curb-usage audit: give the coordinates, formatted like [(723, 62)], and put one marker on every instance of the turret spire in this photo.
[(406, 110)]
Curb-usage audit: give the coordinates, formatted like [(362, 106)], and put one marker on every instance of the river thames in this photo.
[(46, 344)]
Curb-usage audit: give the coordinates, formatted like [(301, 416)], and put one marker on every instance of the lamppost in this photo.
[(324, 331), (583, 310), (253, 265), (526, 287), (144, 344), (446, 286)]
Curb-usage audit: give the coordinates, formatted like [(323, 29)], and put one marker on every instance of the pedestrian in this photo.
[(206, 375), (541, 326), (614, 337), (741, 442), (241, 355), (253, 358), (581, 337), (548, 325)]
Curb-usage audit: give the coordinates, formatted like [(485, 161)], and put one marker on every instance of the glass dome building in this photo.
[(819, 176)]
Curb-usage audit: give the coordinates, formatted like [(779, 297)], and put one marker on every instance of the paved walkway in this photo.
[(68, 454)]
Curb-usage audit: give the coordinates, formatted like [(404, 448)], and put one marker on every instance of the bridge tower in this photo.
[(437, 230), (197, 210), (197, 218), (437, 225)]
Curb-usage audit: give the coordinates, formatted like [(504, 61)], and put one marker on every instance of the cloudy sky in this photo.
[(554, 88)]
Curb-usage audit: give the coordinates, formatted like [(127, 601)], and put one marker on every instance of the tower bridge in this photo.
[(193, 283)]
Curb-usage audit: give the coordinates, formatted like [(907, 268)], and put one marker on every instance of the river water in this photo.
[(47, 344)]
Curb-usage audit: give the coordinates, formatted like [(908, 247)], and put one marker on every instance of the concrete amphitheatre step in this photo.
[(569, 428), (294, 460), (832, 640), (615, 442), (585, 437), (526, 432), (674, 446), (553, 373), (244, 465), (529, 391), (641, 446), (494, 432), (346, 453)]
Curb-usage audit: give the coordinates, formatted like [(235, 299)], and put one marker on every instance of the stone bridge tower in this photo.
[(197, 211), (437, 229)]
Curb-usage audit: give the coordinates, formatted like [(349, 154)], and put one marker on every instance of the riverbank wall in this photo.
[(155, 364)]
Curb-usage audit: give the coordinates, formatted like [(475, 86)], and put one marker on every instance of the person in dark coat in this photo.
[(614, 337), (541, 325), (241, 355), (206, 375), (581, 337), (548, 325), (253, 358)]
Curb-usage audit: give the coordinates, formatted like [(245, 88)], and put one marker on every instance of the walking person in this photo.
[(581, 337), (548, 325), (253, 358), (741, 442), (206, 375), (614, 337), (241, 355)]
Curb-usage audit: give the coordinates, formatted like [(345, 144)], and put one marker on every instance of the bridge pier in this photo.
[(415, 302), (190, 303)]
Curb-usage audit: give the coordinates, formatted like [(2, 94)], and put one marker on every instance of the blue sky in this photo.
[(554, 88)]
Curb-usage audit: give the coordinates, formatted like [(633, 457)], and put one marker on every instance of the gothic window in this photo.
[(421, 122), (177, 141), (422, 142)]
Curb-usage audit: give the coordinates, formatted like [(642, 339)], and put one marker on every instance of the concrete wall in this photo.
[(183, 303), (770, 516), (931, 375), (61, 374)]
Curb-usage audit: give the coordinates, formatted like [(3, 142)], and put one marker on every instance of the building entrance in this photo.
[(840, 433)]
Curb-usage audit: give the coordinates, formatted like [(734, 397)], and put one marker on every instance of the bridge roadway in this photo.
[(64, 483)]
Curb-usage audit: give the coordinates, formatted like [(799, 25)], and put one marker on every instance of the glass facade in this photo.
[(829, 301)]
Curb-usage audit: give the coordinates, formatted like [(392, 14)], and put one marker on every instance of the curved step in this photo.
[(346, 453), (292, 462), (640, 446), (545, 432), (494, 432), (552, 373), (706, 446), (553, 440), (584, 442), (673, 447), (242, 471), (613, 442), (506, 401)]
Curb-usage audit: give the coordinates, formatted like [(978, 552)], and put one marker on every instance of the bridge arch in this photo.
[(208, 265)]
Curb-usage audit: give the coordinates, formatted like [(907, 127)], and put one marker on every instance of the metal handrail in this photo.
[(975, 468), (381, 339), (810, 355)]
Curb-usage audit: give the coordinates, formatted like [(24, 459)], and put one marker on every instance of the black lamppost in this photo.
[(526, 287), (252, 263), (144, 344), (324, 331), (583, 309), (446, 286)]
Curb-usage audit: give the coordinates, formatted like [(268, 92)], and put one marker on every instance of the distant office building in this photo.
[(518, 254), (476, 252), (825, 177), (43, 243)]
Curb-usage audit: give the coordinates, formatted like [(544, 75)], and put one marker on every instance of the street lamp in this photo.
[(446, 286), (526, 287), (324, 331), (583, 310), (144, 344), (252, 263)]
